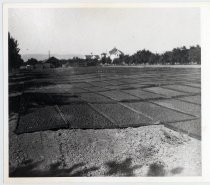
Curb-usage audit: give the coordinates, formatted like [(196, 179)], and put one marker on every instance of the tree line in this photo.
[(180, 55)]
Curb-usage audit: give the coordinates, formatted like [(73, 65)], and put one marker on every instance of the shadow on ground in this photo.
[(30, 169), (123, 168), (158, 169)]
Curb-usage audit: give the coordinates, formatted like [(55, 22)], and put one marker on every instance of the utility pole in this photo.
[(49, 54)]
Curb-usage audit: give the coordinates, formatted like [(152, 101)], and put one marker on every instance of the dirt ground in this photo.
[(145, 151)]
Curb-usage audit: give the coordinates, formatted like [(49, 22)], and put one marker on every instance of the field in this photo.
[(107, 99)]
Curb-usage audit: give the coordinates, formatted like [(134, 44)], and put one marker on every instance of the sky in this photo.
[(97, 30)]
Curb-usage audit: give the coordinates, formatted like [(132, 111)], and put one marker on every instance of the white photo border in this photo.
[(205, 80)]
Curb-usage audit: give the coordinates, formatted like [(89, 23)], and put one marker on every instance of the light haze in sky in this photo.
[(82, 31)]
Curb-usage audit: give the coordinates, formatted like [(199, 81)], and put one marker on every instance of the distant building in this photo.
[(103, 55), (26, 67), (88, 56), (92, 56), (29, 67), (115, 53), (96, 57)]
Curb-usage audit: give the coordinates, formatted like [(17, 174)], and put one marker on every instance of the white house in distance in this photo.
[(115, 53)]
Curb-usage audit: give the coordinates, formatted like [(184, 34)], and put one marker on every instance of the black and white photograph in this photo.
[(104, 92)]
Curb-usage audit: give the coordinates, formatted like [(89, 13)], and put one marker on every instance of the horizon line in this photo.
[(107, 52)]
